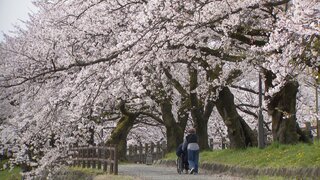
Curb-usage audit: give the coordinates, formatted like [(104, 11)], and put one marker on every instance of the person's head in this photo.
[(192, 131)]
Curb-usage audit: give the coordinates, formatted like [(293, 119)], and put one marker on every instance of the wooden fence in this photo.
[(99, 157), (147, 153)]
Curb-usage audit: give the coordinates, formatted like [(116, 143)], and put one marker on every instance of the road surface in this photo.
[(156, 172)]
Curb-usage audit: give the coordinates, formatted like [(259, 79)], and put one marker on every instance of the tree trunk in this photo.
[(199, 114), (175, 130), (282, 109), (200, 123), (240, 134), (119, 134), (201, 126)]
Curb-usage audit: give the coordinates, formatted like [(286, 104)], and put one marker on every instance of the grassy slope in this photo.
[(275, 155)]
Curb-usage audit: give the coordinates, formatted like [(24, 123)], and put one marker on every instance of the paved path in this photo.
[(151, 172)]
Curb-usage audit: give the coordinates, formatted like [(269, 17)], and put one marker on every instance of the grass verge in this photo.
[(274, 156)]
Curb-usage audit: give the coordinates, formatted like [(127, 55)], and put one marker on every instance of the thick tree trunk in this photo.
[(240, 134), (200, 123), (119, 134), (282, 109), (201, 126), (175, 130)]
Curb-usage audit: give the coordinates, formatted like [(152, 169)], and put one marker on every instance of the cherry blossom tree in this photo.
[(289, 49), (169, 61)]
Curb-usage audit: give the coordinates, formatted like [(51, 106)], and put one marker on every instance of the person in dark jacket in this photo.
[(191, 144), (184, 155)]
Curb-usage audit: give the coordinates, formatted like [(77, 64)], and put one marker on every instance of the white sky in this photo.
[(11, 11)]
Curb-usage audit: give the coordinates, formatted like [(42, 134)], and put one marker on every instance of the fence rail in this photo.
[(97, 157)]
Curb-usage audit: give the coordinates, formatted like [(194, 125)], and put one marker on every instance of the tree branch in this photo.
[(245, 89)]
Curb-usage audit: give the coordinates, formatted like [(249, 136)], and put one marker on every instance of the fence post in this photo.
[(152, 150), (76, 154), (79, 157), (140, 153), (158, 149), (105, 163), (130, 153), (115, 160), (163, 148), (99, 157), (146, 151), (83, 156), (74, 157), (111, 150), (308, 130), (211, 143), (135, 153), (88, 157), (148, 154), (223, 145), (94, 156)]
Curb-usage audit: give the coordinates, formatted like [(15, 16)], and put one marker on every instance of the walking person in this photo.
[(191, 144)]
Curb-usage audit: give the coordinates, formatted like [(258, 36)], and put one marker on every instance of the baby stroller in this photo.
[(182, 160)]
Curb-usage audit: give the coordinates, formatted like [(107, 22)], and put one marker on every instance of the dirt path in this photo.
[(152, 172)]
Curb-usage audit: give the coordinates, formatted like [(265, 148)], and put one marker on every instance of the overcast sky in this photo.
[(10, 13)]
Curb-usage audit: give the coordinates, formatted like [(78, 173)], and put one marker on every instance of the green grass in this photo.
[(7, 174), (10, 175), (275, 156), (88, 171), (99, 174)]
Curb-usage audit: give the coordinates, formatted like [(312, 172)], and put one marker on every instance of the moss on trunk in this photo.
[(119, 134)]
